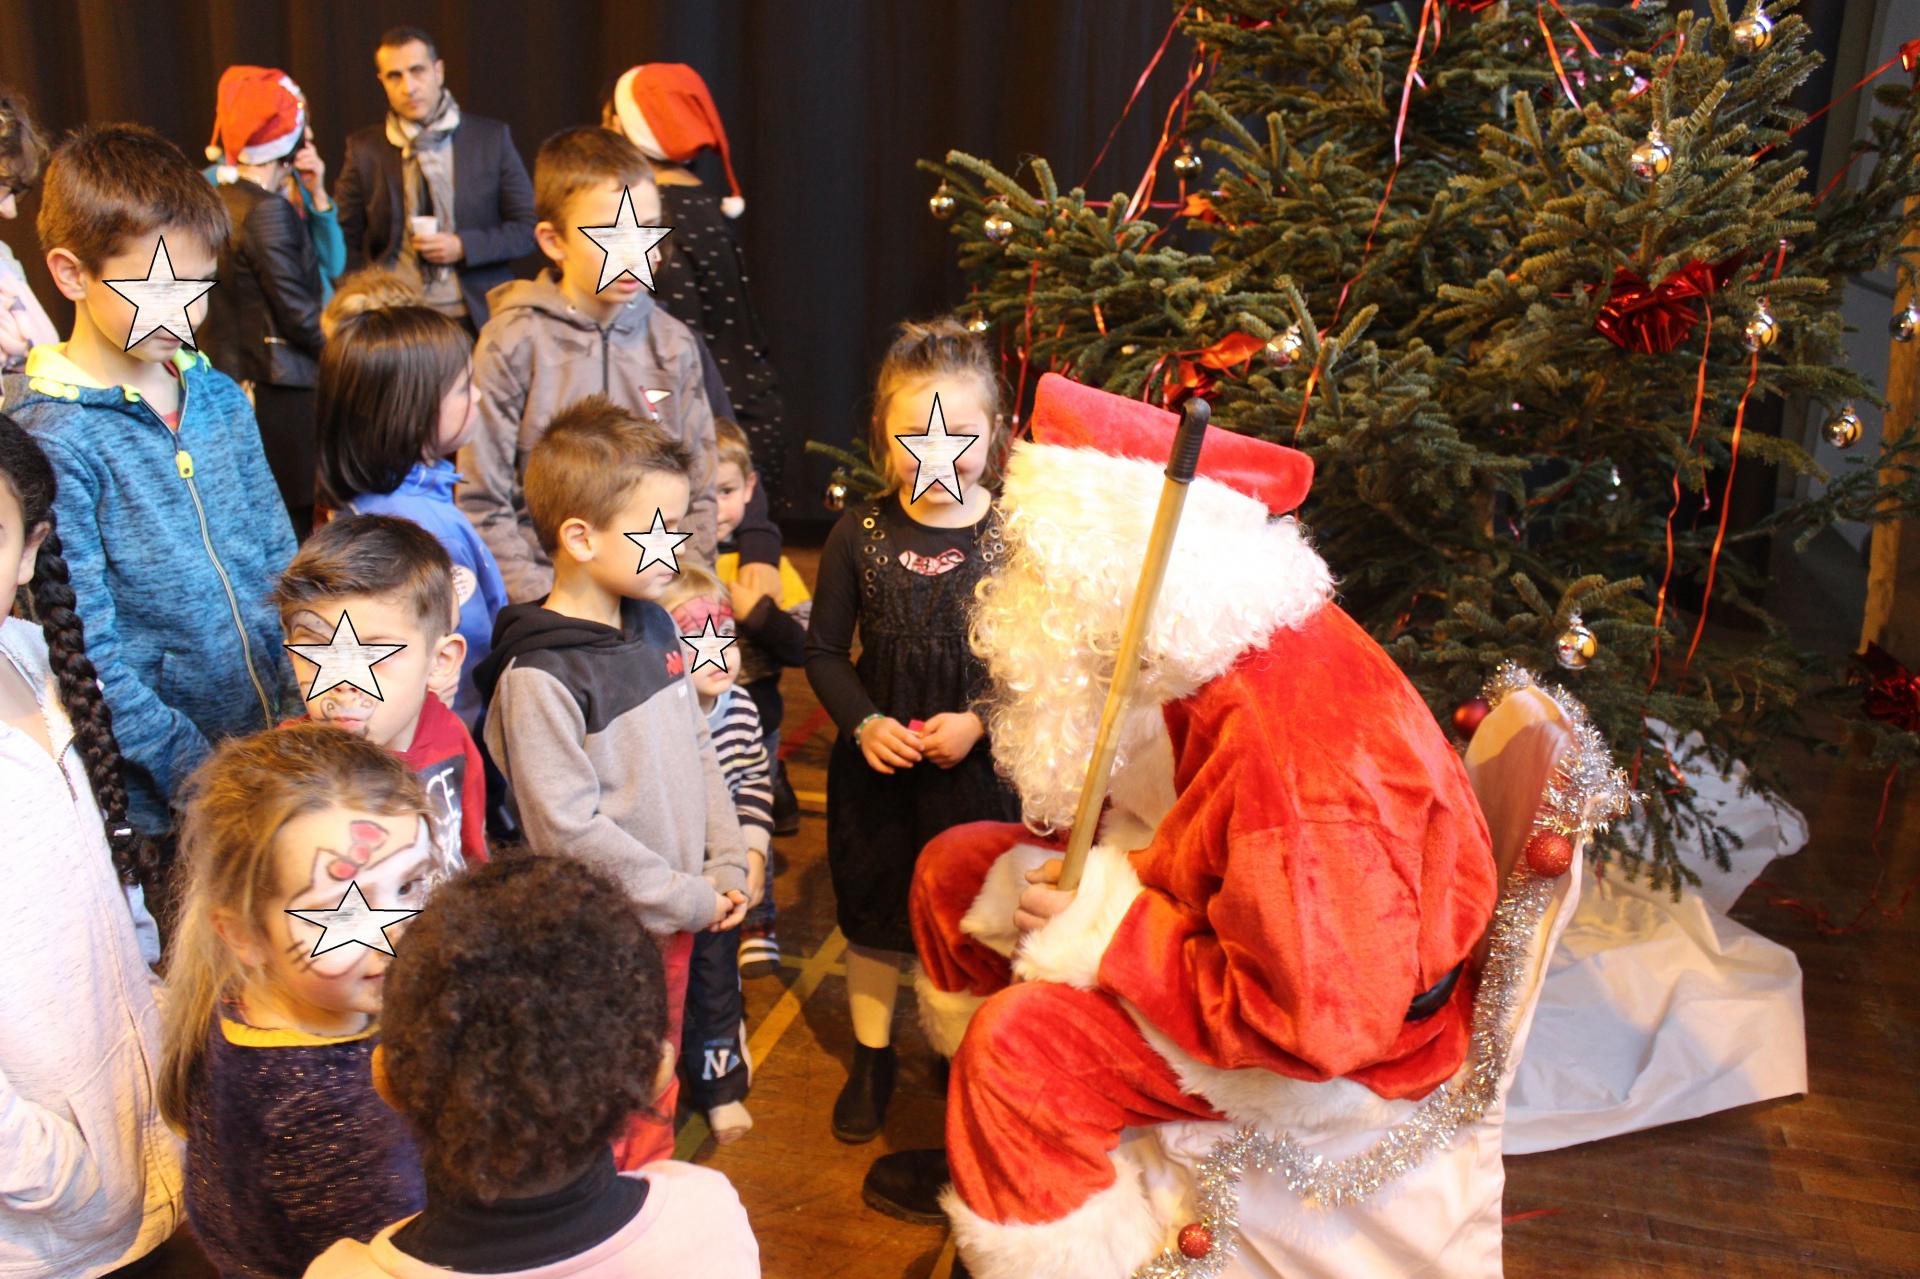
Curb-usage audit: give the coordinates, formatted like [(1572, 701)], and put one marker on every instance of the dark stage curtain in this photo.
[(828, 103)]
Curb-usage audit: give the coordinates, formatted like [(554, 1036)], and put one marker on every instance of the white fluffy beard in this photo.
[(1048, 620)]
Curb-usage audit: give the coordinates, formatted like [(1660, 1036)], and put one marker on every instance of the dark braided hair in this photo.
[(50, 599)]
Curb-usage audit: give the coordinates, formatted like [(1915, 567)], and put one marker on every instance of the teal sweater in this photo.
[(174, 544)]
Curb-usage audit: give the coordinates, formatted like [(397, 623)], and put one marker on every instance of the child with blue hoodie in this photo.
[(174, 529), (396, 403)]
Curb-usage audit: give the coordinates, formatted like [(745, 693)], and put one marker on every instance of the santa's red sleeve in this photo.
[(1324, 863)]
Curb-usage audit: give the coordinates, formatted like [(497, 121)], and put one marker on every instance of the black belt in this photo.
[(1428, 1002)]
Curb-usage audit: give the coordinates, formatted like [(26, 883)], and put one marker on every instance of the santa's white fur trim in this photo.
[(1275, 1103), (944, 1014), (1142, 791), (1106, 1237), (989, 920), (1068, 949)]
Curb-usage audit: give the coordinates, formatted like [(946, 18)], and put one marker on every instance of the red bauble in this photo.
[(1467, 716), (1549, 853), (1196, 1240)]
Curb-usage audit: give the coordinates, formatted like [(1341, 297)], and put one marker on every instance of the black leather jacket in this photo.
[(263, 320)]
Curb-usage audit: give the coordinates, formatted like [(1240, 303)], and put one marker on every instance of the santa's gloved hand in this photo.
[(1042, 900)]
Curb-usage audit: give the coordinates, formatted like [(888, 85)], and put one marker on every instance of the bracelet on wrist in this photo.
[(861, 727)]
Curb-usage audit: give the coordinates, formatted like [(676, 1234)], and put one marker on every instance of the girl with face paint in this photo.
[(289, 839)]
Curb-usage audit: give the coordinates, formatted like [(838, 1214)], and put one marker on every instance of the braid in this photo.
[(134, 857)]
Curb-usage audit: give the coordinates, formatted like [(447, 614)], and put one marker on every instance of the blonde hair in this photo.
[(937, 349), (692, 582), (732, 446), (236, 804), (373, 288)]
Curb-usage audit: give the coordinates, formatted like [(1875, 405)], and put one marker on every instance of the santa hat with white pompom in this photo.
[(260, 117), (665, 109)]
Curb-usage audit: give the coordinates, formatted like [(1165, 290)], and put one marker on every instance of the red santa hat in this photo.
[(260, 117), (1068, 414), (665, 110)]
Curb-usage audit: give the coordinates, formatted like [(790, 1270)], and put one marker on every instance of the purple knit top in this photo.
[(289, 1148)]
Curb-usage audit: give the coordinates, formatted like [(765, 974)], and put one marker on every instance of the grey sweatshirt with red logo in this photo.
[(608, 757)]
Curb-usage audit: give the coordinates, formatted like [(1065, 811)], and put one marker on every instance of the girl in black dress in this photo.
[(912, 757)]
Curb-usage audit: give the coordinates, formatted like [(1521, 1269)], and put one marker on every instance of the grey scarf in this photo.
[(426, 162)]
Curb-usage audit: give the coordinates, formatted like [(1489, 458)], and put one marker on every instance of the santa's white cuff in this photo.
[(1069, 948)]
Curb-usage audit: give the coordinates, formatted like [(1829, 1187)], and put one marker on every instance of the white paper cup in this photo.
[(425, 224)]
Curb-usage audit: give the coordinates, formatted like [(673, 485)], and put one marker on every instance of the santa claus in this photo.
[(1289, 877)]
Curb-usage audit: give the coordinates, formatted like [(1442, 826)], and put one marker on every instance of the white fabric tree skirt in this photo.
[(1657, 1010)]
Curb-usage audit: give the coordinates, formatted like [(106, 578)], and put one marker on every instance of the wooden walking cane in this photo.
[(1126, 669)]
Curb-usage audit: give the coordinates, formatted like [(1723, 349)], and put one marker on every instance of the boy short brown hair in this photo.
[(587, 464), (733, 446), (574, 160), (117, 182), (381, 556)]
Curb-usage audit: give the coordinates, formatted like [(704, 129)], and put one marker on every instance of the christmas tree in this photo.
[(1517, 275)]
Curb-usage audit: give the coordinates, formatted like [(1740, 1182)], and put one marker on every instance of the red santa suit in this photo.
[(1291, 856)]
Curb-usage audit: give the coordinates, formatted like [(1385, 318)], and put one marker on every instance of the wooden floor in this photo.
[(1823, 1185)]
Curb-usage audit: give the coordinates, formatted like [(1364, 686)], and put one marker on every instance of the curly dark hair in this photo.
[(25, 470), (523, 1022)]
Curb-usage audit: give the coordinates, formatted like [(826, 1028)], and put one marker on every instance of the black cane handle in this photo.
[(1187, 441)]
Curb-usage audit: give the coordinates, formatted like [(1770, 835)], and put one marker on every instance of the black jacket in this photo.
[(492, 205), (263, 322)]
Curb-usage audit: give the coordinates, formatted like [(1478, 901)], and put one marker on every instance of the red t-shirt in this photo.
[(447, 763)]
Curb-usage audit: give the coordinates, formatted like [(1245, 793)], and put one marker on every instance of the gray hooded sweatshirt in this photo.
[(536, 356)]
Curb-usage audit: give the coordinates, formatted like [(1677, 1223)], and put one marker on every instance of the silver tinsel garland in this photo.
[(1584, 792)]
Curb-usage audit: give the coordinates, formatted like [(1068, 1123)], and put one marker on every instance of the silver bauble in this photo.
[(1761, 329), (977, 323), (998, 227), (1283, 349), (836, 495), (1752, 33), (1651, 158), (1187, 165), (941, 203), (1843, 428), (1576, 645), (1905, 324)]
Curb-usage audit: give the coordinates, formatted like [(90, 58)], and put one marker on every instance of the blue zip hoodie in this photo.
[(174, 542), (426, 498)]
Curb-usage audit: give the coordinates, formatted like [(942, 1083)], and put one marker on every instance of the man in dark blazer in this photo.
[(429, 161)]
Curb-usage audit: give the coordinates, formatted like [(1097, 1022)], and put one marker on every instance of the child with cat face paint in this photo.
[(271, 1017)]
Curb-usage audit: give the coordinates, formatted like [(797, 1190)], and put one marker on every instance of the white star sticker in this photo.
[(936, 452), (160, 301), (353, 920), (709, 647), (657, 544), (345, 661), (626, 244)]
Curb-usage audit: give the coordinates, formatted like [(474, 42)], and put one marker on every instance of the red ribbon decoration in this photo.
[(1190, 375), (1657, 320), (1892, 691)]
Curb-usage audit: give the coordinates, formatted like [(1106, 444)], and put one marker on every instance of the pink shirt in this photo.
[(691, 1223)]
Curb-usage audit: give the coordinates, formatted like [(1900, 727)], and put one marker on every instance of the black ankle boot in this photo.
[(786, 805), (862, 1105), (906, 1186)]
